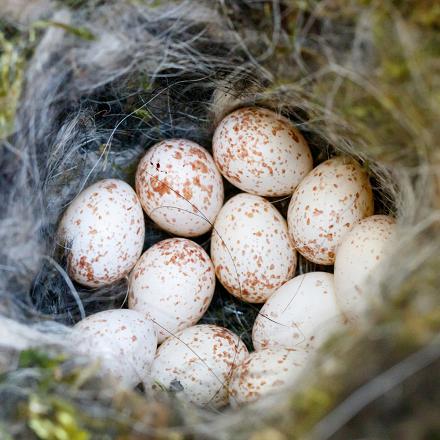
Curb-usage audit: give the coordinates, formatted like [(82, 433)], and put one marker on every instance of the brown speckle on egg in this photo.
[(251, 248), (172, 284), (184, 194), (254, 146), (321, 211), (201, 358), (265, 372), (103, 228)]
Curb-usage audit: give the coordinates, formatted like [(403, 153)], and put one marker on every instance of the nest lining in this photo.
[(90, 108)]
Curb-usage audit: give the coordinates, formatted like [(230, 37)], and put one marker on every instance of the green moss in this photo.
[(143, 114), (311, 405), (388, 106), (39, 359), (12, 63), (16, 47), (52, 418), (389, 109), (65, 402), (47, 412), (77, 31)]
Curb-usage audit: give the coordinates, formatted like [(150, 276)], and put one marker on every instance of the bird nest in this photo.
[(87, 87)]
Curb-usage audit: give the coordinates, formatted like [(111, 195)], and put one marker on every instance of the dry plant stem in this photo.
[(376, 387)]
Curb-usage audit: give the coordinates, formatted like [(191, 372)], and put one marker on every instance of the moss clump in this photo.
[(12, 63), (61, 400), (53, 418)]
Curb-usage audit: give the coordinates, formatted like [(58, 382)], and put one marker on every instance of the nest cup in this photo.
[(109, 83)]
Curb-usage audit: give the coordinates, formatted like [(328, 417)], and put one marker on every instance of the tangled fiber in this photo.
[(87, 86)]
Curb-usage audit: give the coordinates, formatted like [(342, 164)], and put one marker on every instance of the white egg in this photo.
[(251, 249), (300, 315), (361, 252), (325, 205), (172, 284), (103, 231), (198, 364), (180, 187), (266, 372), (261, 152), (122, 341)]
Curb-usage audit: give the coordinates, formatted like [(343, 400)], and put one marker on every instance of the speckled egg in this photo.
[(266, 372), (103, 232), (180, 187), (123, 342), (325, 205), (361, 252), (172, 284), (251, 249), (299, 315), (261, 152), (198, 363)]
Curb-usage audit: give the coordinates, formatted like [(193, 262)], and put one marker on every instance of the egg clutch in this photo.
[(179, 186)]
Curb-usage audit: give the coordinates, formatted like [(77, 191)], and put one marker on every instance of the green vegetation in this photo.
[(12, 63)]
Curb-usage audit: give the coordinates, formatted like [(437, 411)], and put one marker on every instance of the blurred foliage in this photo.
[(49, 415), (53, 418), (406, 324), (383, 93), (16, 47), (376, 68), (61, 400), (12, 62), (396, 104)]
